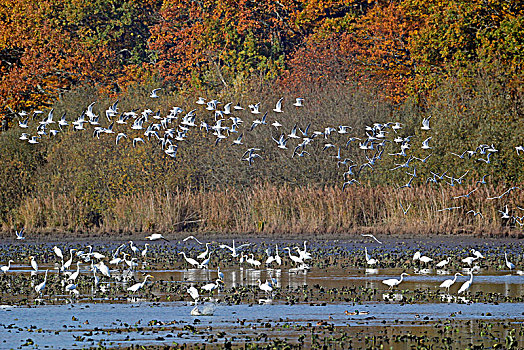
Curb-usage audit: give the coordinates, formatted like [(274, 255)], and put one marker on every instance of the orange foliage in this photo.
[(397, 47), (372, 52), (47, 47)]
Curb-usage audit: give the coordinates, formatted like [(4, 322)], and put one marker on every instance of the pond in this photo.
[(339, 298)]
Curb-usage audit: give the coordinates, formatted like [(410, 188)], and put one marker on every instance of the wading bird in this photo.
[(135, 287), (393, 282), (465, 286), (41, 286), (190, 261), (509, 264), (6, 268), (449, 282)]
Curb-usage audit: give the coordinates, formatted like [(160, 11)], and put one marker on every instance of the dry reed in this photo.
[(274, 209)]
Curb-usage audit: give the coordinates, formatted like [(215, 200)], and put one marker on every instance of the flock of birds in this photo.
[(230, 123), (127, 257)]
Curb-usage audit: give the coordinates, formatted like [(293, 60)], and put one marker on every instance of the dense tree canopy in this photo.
[(403, 47)]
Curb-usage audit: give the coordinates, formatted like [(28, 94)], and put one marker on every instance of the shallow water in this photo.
[(303, 302), (59, 326)]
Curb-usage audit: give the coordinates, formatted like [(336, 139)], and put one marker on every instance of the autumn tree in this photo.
[(459, 34), (47, 47)]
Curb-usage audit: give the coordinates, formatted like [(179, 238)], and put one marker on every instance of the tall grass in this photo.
[(271, 209)]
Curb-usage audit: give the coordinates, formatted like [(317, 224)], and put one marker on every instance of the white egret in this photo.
[(144, 252), (252, 261), (469, 260), (96, 280), (266, 287), (138, 285), (103, 269), (134, 248), (116, 260), (295, 259), (193, 292), (509, 264), (6, 268), (204, 254), (477, 254), (270, 258), (58, 252), (416, 256), (304, 254), (278, 259), (156, 237), (370, 261), (34, 265), (425, 259), (220, 274), (443, 263), (131, 263), (75, 274), (371, 236), (68, 263), (449, 282), (211, 286), (465, 286), (234, 249), (40, 287), (191, 261), (95, 255), (193, 238), (204, 264), (393, 282)]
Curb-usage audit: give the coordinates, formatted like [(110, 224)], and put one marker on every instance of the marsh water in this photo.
[(340, 299)]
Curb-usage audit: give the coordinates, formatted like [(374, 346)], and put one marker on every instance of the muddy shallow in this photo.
[(81, 325), (340, 299)]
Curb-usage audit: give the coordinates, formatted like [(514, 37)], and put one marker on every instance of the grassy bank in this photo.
[(270, 209), (77, 182)]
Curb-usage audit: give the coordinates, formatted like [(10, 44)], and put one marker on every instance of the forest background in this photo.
[(354, 62)]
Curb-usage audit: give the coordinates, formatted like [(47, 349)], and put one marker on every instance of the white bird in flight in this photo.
[(372, 236), (154, 93), (425, 123), (278, 106)]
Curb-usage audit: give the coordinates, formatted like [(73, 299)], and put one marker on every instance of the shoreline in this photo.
[(54, 234)]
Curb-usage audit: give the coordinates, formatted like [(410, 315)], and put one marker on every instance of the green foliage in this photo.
[(19, 167)]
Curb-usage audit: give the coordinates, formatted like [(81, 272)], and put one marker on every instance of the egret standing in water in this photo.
[(370, 261), (58, 253), (40, 287), (191, 261), (509, 264), (6, 268), (449, 282), (393, 282), (34, 265), (193, 292), (139, 285), (266, 287), (443, 263), (465, 286)]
